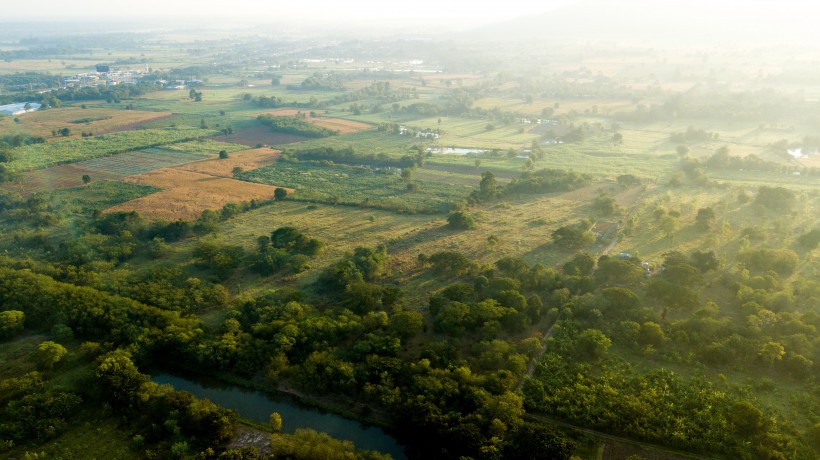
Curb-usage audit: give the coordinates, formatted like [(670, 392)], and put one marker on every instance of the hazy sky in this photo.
[(437, 11)]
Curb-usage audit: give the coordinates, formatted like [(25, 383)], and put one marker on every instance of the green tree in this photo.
[(49, 354), (574, 235), (706, 218), (276, 422), (488, 186), (280, 193), (594, 343), (11, 323), (86, 179), (771, 352), (460, 220), (119, 379), (223, 154)]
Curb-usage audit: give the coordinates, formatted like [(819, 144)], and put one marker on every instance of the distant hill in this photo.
[(666, 22)]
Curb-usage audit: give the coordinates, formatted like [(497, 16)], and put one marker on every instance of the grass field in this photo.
[(98, 195), (71, 150), (359, 186)]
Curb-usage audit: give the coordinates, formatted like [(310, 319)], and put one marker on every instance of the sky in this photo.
[(472, 12)]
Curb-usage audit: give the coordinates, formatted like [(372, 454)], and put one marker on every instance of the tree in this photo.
[(775, 198), (86, 179), (223, 154), (11, 323), (65, 132), (280, 194), (119, 379), (488, 186), (460, 220), (594, 343), (406, 324), (604, 205), (770, 352), (810, 240), (682, 150), (651, 334), (276, 422), (706, 218), (574, 236), (48, 354), (237, 170)]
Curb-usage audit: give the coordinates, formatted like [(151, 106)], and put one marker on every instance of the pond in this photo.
[(257, 407)]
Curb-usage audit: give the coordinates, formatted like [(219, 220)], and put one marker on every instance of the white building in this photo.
[(18, 108)]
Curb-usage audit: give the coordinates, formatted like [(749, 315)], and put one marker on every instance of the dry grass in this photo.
[(246, 159), (186, 194), (43, 122)]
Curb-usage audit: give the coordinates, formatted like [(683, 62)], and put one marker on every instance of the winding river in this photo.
[(257, 407)]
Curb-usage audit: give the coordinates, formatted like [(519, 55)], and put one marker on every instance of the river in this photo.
[(257, 407)]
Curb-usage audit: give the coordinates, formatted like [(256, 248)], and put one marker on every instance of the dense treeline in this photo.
[(349, 156)]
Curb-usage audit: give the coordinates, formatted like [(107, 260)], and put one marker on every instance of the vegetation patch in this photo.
[(360, 186)]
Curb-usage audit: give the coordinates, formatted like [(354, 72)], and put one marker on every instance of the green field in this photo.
[(71, 150), (361, 186)]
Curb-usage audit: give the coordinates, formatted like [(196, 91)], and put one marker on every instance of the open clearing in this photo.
[(186, 194)]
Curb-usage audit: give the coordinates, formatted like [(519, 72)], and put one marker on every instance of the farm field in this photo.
[(335, 124), (71, 150), (248, 160), (95, 120), (260, 135), (185, 194), (359, 186)]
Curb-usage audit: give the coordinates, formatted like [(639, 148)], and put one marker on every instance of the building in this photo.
[(19, 108)]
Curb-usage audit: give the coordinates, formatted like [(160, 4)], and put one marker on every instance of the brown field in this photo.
[(186, 194), (336, 124), (246, 159), (260, 135), (41, 123), (62, 176)]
